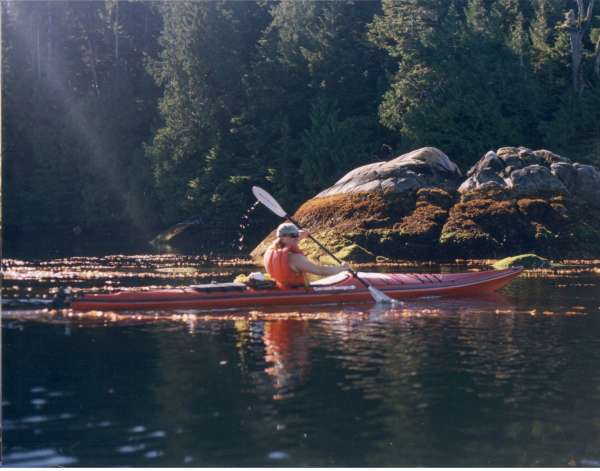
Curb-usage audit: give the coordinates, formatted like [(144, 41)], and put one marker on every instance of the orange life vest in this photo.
[(276, 263)]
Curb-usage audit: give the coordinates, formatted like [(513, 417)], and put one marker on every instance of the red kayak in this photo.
[(342, 287)]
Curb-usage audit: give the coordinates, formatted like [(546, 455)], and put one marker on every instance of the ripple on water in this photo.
[(37, 458), (153, 454), (278, 455), (34, 419), (126, 449)]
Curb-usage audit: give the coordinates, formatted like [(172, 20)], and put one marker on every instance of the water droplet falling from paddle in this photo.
[(244, 224)]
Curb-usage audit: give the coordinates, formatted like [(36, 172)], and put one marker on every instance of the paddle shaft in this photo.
[(328, 252), (265, 198)]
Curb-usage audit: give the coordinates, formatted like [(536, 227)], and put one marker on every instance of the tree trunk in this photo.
[(116, 30), (49, 37), (576, 56), (38, 56), (597, 60), (577, 26), (93, 61)]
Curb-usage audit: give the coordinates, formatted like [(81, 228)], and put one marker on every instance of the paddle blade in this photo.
[(380, 297), (265, 198)]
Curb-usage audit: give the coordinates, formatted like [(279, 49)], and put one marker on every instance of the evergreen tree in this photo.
[(123, 113), (198, 165), (462, 84), (541, 37), (77, 110), (321, 79), (573, 123)]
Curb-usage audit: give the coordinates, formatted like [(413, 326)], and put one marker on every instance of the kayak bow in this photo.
[(342, 287)]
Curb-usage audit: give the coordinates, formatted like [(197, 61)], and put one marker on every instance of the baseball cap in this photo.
[(286, 229)]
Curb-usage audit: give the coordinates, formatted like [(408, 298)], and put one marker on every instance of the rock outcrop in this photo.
[(418, 206), (426, 167), (518, 199), (524, 172), (385, 208)]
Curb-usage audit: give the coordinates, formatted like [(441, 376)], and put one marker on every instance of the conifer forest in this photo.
[(130, 116)]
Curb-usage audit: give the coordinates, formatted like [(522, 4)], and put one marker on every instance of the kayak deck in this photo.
[(334, 289)]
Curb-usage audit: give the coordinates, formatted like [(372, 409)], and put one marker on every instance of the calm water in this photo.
[(509, 380)]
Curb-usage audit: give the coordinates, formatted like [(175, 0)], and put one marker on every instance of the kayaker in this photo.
[(286, 263)]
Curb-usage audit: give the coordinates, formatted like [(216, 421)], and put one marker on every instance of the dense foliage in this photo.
[(140, 114)]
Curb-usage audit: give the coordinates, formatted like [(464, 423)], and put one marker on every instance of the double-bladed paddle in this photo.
[(271, 203)]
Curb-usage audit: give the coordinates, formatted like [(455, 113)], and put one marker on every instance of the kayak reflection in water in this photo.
[(287, 350), (287, 264)]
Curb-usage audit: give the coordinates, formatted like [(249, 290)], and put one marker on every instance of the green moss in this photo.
[(485, 228), (386, 235), (350, 253), (355, 253), (528, 260), (468, 242), (467, 238), (431, 224), (329, 239)]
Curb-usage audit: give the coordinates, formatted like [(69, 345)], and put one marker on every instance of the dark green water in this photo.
[(511, 380)]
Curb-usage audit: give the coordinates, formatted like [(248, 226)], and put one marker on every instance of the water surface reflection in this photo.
[(508, 380)]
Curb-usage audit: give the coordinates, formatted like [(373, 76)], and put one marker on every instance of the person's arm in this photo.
[(300, 263)]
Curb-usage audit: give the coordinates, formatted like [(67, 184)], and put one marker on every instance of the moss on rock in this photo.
[(330, 239), (483, 227), (465, 241), (352, 211), (436, 197), (423, 224), (351, 253), (528, 260), (488, 221), (537, 209)]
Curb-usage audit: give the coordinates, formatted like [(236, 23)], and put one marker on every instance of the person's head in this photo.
[(287, 234)]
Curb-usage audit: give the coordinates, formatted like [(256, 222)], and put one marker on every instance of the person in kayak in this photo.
[(287, 265)]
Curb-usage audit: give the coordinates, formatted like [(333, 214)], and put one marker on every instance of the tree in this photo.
[(76, 114), (578, 24), (573, 123), (321, 80), (463, 82), (207, 48)]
